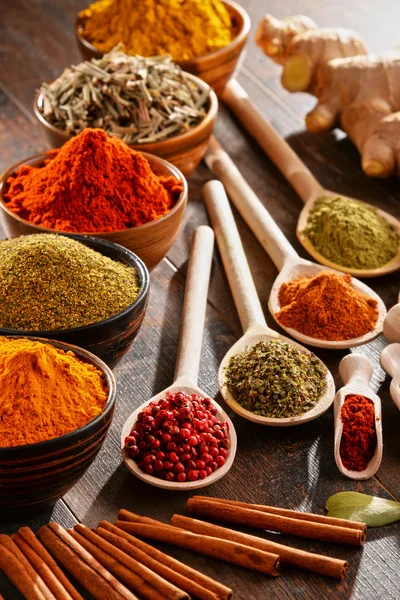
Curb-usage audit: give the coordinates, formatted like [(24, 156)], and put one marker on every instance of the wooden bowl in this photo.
[(215, 68), (35, 476), (184, 151), (111, 338), (150, 242)]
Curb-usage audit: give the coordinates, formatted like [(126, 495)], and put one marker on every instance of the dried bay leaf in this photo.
[(371, 510)]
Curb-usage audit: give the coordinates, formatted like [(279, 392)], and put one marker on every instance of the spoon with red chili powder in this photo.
[(358, 420), (316, 305)]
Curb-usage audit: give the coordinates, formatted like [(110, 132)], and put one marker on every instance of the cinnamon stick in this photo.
[(16, 573), (220, 591), (127, 515), (54, 585), (295, 514), (131, 579), (244, 556), (77, 561), (175, 577), (220, 511), (27, 534), (167, 589), (11, 546), (317, 563)]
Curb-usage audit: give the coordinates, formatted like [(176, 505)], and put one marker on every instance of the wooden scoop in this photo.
[(390, 362), (248, 306), (188, 360), (355, 371), (286, 259), (297, 174)]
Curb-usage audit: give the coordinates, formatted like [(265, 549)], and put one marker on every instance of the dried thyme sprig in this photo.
[(140, 100), (274, 379)]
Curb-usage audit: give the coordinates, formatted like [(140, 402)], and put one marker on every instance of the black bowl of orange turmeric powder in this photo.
[(79, 290), (57, 406)]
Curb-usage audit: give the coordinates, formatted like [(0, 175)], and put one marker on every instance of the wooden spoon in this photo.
[(248, 306), (279, 249), (298, 175), (188, 360), (390, 362), (355, 371), (391, 324)]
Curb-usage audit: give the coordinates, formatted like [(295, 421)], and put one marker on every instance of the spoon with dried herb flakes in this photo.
[(265, 377), (337, 231)]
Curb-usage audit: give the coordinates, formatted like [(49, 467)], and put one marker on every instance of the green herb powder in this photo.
[(351, 234), (53, 282), (274, 379)]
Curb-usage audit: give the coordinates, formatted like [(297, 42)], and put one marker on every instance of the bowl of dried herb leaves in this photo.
[(149, 103)]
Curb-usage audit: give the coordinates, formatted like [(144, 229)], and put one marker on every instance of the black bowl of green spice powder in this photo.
[(77, 289)]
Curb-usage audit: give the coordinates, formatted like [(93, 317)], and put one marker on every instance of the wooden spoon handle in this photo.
[(249, 205), (355, 368), (231, 249), (278, 150), (194, 306)]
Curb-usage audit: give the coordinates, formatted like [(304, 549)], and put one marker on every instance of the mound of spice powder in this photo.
[(275, 379), (93, 183), (53, 282), (358, 442), (351, 233), (149, 27), (46, 392), (326, 307)]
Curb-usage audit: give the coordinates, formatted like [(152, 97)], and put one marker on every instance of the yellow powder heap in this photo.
[(45, 392), (182, 28)]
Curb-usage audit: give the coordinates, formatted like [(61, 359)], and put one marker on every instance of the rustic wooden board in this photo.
[(291, 467)]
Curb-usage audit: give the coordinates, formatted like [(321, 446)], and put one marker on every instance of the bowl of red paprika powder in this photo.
[(150, 241), (34, 476)]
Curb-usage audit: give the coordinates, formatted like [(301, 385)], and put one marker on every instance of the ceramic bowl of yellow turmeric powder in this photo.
[(57, 406), (205, 37)]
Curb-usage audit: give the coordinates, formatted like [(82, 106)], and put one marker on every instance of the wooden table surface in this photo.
[(290, 467)]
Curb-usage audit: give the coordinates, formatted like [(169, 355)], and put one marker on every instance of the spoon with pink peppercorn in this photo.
[(181, 439)]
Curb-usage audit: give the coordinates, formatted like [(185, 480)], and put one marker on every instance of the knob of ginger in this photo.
[(358, 91)]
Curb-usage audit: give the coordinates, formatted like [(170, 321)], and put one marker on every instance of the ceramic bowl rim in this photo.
[(67, 439), (143, 293), (239, 37)]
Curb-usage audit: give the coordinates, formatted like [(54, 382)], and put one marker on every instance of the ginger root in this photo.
[(355, 90)]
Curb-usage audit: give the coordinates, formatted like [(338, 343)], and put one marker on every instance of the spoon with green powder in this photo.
[(337, 231), (292, 268), (264, 377)]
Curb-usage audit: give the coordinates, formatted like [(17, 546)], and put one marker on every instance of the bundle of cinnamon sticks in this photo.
[(107, 562), (308, 525), (113, 564)]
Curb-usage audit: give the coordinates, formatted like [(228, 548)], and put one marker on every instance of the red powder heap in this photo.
[(93, 183), (358, 442)]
